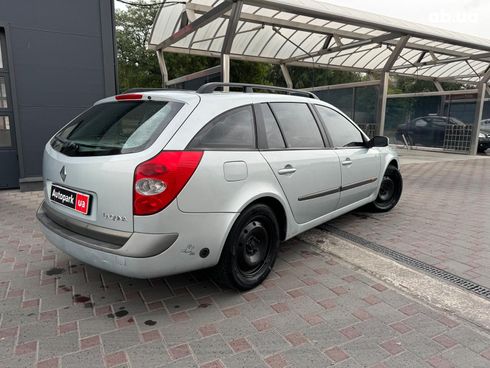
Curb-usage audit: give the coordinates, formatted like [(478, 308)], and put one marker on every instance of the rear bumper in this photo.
[(149, 255), (135, 245)]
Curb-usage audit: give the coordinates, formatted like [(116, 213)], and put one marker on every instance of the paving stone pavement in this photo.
[(443, 218), (312, 312)]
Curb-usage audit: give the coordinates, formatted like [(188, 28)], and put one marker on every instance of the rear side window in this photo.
[(298, 125), (115, 128), (341, 130), (273, 136), (232, 130)]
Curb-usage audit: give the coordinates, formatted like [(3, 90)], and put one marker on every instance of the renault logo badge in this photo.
[(63, 174)]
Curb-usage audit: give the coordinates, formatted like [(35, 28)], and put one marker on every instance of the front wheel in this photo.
[(390, 191), (250, 249)]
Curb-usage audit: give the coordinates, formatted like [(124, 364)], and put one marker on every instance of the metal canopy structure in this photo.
[(309, 32), (312, 33)]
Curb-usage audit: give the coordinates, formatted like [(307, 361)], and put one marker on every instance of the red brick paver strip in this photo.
[(336, 354), (180, 351), (115, 359)]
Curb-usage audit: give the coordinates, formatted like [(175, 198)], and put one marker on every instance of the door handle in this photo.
[(288, 169), (347, 162)]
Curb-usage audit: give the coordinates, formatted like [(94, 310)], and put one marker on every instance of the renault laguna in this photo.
[(154, 183)]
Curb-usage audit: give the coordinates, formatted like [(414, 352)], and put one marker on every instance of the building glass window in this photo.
[(5, 137), (3, 93)]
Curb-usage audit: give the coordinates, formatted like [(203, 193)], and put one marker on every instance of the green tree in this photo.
[(138, 66)]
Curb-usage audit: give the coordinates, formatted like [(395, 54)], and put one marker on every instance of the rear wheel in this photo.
[(250, 249), (390, 191)]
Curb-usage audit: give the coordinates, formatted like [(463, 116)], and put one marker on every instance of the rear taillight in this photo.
[(158, 181)]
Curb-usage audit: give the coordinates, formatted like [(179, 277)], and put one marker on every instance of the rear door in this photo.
[(436, 131), (89, 165), (425, 133), (295, 148), (360, 166)]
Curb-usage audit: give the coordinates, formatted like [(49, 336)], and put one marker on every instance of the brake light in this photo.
[(129, 96), (158, 181)]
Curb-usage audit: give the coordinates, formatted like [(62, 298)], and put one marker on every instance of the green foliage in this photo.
[(312, 77), (137, 66), (409, 85)]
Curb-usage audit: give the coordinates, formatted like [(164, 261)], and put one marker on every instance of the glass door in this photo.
[(9, 167)]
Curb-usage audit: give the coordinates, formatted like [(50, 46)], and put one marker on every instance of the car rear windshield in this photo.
[(115, 128)]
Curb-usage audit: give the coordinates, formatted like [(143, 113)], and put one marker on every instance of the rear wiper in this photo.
[(95, 146), (60, 140), (73, 144)]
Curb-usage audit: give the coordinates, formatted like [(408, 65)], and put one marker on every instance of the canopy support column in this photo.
[(163, 68), (236, 9), (384, 83), (480, 102), (225, 68), (287, 76), (382, 99)]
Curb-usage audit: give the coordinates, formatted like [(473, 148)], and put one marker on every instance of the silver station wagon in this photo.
[(154, 183)]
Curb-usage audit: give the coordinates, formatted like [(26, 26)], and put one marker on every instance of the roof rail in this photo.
[(249, 88)]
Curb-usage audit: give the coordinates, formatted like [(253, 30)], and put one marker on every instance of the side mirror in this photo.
[(378, 141)]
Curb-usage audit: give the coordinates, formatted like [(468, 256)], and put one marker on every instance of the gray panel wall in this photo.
[(63, 56)]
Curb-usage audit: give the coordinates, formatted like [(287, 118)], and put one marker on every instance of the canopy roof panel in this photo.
[(313, 33)]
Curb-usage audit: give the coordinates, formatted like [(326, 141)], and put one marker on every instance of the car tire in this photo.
[(390, 191), (250, 249)]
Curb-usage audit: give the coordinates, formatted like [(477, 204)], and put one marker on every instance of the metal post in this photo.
[(225, 68), (480, 102), (382, 99), (163, 68), (438, 85), (383, 86), (287, 76)]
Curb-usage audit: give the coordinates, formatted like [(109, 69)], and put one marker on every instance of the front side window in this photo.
[(115, 128), (341, 130), (440, 123), (232, 130), (298, 125), (421, 123)]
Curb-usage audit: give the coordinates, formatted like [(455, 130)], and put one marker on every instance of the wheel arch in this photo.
[(394, 163), (277, 207)]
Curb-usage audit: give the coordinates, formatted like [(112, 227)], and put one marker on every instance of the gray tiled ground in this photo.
[(442, 219), (311, 312)]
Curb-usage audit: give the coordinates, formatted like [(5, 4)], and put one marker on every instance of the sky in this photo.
[(464, 16)]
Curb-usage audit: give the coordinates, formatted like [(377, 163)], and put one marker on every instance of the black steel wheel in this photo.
[(250, 249), (390, 190)]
